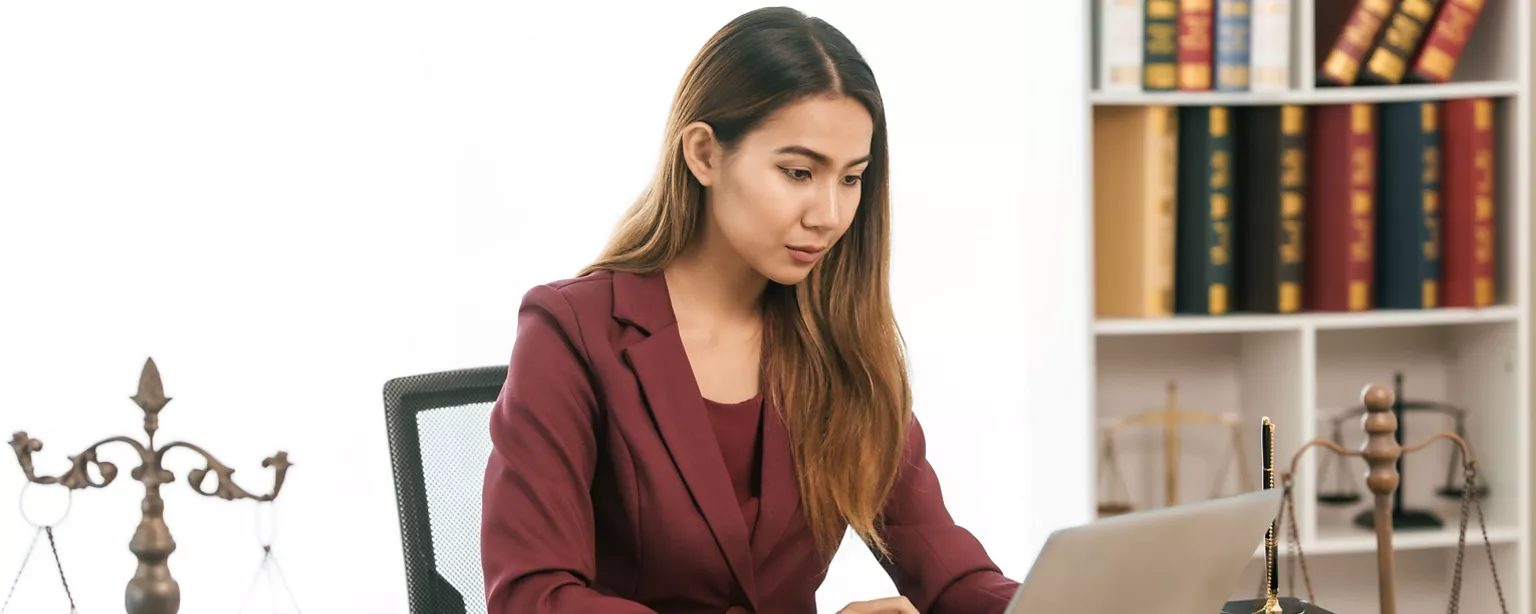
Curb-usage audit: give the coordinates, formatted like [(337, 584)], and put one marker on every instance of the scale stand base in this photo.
[(1288, 605), (1406, 519)]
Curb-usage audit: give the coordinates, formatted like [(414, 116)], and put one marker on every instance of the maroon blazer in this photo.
[(606, 491)]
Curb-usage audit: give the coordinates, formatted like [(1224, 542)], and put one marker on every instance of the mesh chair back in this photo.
[(439, 441)]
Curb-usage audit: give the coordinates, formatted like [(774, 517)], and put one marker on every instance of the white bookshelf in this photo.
[(1299, 369)]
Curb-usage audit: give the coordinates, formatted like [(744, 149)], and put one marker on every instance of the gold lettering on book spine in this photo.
[(1221, 208), (1422, 10), (1362, 202), (1482, 114), (1292, 205), (1195, 36), (1431, 243), (1387, 60), (1482, 238), (1359, 33)]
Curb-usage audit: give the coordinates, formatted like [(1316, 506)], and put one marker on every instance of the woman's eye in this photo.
[(852, 180), (798, 174)]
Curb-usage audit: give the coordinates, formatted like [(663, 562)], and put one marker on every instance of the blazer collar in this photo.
[(660, 363), (672, 395), (642, 300)]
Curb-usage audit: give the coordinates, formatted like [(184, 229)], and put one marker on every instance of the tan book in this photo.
[(1135, 166)]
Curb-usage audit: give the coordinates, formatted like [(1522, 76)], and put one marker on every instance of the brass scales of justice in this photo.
[(1338, 488), (1381, 453), (1171, 418), (152, 589)]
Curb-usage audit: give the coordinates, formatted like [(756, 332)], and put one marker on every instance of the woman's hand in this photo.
[(890, 605)]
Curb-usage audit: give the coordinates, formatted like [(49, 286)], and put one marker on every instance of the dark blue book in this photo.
[(1203, 272), (1232, 47), (1408, 206)]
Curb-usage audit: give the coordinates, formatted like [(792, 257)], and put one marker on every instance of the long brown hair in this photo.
[(835, 364)]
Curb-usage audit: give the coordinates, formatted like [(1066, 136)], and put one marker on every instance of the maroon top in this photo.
[(606, 490), (737, 426)]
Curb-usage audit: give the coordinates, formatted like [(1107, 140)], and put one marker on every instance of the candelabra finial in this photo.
[(152, 590), (151, 397)]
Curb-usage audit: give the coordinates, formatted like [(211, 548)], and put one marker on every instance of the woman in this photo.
[(694, 422)]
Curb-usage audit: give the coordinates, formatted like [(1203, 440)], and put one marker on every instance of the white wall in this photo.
[(286, 204)]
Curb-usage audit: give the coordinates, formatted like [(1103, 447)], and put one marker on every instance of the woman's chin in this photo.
[(786, 274)]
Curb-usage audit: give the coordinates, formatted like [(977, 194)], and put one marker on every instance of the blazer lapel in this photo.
[(780, 483), (660, 362)]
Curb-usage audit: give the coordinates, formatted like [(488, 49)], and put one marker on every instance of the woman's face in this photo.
[(790, 188)]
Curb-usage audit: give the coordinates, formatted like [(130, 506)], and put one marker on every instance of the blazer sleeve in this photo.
[(537, 536), (939, 566)]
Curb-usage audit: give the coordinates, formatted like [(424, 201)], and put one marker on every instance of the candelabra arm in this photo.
[(226, 488), (1320, 442), (1466, 450), (78, 475)]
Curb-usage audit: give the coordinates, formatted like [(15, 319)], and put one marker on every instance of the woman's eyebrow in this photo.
[(819, 157)]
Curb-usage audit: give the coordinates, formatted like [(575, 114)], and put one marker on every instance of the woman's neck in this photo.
[(711, 285)]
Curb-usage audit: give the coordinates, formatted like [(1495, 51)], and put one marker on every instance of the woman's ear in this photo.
[(701, 152)]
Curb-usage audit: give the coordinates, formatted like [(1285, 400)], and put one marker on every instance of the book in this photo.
[(1408, 206), (1120, 45), (1203, 268), (1469, 234), (1340, 222), (1269, 55), (1341, 63), (1447, 38), (1160, 45), (1272, 192), (1197, 28), (1233, 23), (1399, 42), (1135, 169)]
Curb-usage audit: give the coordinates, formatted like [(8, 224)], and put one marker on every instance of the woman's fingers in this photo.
[(889, 605)]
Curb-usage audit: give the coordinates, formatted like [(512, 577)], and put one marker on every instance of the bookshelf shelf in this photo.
[(1239, 323), (1301, 368), (1348, 541), (1312, 96)]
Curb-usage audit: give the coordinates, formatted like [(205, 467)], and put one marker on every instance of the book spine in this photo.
[(1433, 227), (1203, 272), (1271, 209), (1342, 63), (1293, 190), (1340, 225), (1233, 30), (1160, 45), (1120, 45), (1399, 43), (1270, 50), (1447, 39), (1196, 30), (1469, 193), (1408, 211), (1164, 177)]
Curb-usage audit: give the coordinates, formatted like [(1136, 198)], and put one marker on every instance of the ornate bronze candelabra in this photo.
[(1381, 453), (152, 589)]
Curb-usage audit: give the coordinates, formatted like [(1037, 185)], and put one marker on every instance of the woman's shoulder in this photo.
[(581, 296)]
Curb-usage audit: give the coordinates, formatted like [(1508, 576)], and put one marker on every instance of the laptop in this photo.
[(1185, 559)]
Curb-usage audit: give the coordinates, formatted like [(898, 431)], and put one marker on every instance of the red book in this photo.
[(1341, 65), (1197, 29), (1341, 212), (1467, 238), (1447, 38)]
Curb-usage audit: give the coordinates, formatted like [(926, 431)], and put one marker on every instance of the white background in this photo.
[(287, 203)]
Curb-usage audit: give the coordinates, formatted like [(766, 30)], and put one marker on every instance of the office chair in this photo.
[(439, 441)]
